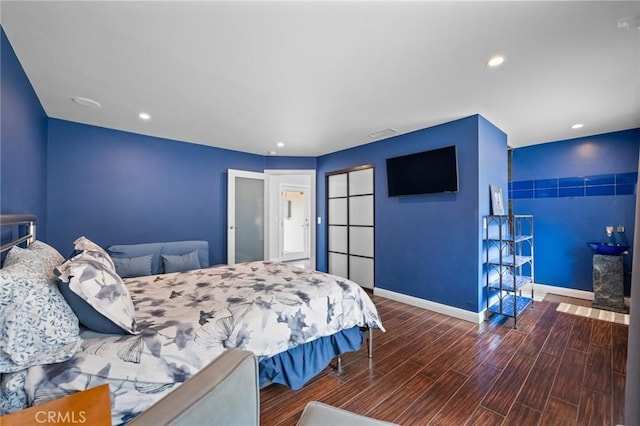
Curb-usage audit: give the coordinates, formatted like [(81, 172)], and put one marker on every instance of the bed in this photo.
[(294, 320)]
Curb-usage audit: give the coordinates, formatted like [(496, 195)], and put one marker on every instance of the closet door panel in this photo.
[(338, 211), (337, 186), (361, 210), (361, 241), (338, 239), (361, 182), (338, 264), (350, 225), (361, 271)]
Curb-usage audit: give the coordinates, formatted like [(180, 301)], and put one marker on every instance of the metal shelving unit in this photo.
[(509, 263)]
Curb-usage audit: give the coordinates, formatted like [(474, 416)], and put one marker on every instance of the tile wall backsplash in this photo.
[(582, 186)]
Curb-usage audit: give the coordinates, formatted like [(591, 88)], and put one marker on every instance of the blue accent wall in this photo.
[(23, 142), (427, 246), (492, 170), (290, 163), (574, 189), (117, 187)]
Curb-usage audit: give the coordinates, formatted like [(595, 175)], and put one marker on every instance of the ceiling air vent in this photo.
[(383, 133)]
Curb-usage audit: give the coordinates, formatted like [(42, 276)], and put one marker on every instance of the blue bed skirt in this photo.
[(297, 366)]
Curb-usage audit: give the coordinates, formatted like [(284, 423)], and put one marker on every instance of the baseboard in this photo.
[(474, 317), (541, 290)]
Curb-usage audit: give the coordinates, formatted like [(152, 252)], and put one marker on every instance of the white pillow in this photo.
[(91, 276), (91, 248)]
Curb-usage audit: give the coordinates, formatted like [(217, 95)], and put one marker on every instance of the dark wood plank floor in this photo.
[(431, 369)]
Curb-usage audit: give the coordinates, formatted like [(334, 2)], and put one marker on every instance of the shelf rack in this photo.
[(509, 263)]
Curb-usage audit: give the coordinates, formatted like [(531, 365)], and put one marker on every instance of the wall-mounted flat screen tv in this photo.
[(427, 172)]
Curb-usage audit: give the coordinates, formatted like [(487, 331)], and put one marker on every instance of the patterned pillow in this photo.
[(83, 244), (13, 396), (41, 254), (91, 276), (37, 326)]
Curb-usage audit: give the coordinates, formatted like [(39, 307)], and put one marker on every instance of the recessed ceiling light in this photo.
[(577, 126), (144, 116), (86, 102), (280, 144), (495, 61)]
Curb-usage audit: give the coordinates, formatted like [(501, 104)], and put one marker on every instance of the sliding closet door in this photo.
[(350, 219)]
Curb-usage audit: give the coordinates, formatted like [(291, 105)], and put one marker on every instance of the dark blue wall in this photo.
[(568, 213), (116, 187), (23, 142), (290, 163), (426, 245)]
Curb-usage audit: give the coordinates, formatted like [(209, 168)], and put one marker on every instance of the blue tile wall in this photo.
[(579, 186)]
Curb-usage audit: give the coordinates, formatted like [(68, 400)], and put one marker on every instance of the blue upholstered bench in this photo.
[(133, 260)]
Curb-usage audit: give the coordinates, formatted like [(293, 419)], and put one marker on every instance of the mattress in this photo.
[(187, 319)]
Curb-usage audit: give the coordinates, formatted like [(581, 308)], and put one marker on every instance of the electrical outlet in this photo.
[(620, 229)]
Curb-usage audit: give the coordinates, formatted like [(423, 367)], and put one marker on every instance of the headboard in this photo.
[(17, 229)]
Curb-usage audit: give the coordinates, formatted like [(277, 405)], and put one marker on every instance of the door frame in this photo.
[(232, 174), (270, 229), (307, 250)]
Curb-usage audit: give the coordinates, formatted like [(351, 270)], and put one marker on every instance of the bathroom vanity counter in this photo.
[(608, 282)]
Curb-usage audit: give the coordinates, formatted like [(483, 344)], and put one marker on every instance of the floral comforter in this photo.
[(187, 319)]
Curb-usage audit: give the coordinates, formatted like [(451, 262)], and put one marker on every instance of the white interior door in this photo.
[(245, 216), (295, 210)]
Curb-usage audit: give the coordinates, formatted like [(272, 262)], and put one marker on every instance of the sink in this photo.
[(612, 249)]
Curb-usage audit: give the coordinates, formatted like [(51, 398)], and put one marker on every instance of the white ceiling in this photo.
[(321, 76)]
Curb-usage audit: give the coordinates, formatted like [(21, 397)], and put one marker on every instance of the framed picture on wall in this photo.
[(497, 203)]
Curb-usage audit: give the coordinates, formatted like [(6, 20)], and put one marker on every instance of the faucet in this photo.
[(621, 235), (609, 231)]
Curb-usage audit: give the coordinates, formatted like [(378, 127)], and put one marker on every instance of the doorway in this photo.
[(294, 180), (254, 230), (295, 222)]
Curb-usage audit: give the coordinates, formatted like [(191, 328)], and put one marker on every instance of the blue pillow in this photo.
[(156, 249), (128, 267), (179, 263), (86, 314)]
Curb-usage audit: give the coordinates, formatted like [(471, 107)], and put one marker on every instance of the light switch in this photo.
[(319, 220)]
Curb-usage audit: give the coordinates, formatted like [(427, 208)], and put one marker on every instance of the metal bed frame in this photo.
[(369, 338), (18, 221)]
